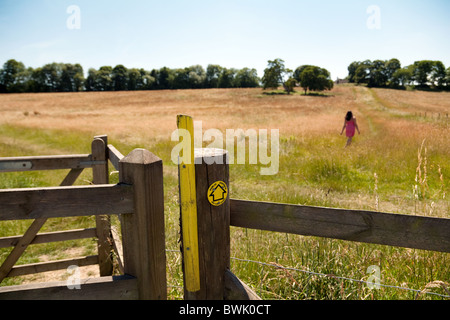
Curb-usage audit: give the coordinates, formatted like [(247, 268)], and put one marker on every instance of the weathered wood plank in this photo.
[(212, 224), (22, 244), (18, 204), (105, 288), (118, 247), (114, 156), (354, 225), (51, 237), (71, 177), (34, 163), (103, 222), (235, 289), (32, 268), (143, 232), (188, 206)]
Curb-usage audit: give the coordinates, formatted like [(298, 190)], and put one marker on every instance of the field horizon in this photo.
[(399, 164)]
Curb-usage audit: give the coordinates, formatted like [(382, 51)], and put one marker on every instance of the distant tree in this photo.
[(314, 78), (447, 79), (72, 78), (438, 74), (352, 71), (299, 71), (289, 85), (362, 72), (421, 72), (51, 76), (196, 77), (226, 78), (391, 67), (147, 82), (134, 79), (119, 77), (213, 72), (181, 78), (91, 80), (164, 78), (377, 76), (36, 80), (401, 77), (22, 81), (274, 74), (9, 75), (246, 78), (104, 81)]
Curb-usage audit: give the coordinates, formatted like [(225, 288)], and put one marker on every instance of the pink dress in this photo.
[(350, 128)]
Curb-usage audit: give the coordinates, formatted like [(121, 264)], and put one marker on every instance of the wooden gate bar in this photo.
[(55, 202), (37, 163), (104, 288), (62, 264), (399, 230), (56, 236)]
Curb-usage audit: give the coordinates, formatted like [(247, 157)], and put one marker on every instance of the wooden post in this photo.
[(213, 225), (188, 207), (103, 223), (143, 233)]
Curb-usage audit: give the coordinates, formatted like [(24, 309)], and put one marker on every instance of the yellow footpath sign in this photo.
[(217, 193), (188, 207)]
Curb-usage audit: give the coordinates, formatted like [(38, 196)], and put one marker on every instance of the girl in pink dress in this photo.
[(350, 125)]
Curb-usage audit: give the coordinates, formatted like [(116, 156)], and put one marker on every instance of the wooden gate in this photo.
[(138, 199)]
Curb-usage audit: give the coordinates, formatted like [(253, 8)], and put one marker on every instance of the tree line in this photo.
[(66, 77), (423, 74)]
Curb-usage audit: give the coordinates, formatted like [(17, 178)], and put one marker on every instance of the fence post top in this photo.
[(140, 156), (210, 155), (209, 152)]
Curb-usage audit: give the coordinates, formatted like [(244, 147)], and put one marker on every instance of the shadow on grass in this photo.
[(284, 93)]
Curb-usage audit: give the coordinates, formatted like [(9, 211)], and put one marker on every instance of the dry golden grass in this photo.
[(138, 117), (135, 117), (153, 113), (315, 169), (416, 101)]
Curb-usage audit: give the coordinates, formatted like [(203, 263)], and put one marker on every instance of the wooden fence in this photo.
[(217, 280), (432, 115), (138, 199)]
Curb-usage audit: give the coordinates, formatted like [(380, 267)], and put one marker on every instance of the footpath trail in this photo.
[(367, 110)]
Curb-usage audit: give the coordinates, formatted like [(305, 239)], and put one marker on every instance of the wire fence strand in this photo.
[(417, 291), (278, 266)]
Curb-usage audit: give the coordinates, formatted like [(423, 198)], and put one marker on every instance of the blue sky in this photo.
[(232, 33)]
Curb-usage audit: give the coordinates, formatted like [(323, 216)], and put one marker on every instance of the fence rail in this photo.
[(55, 202), (111, 288), (37, 163), (399, 230), (47, 237)]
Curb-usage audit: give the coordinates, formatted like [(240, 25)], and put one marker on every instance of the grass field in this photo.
[(399, 163)]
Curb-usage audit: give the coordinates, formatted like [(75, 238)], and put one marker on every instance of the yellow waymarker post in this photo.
[(188, 206)]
